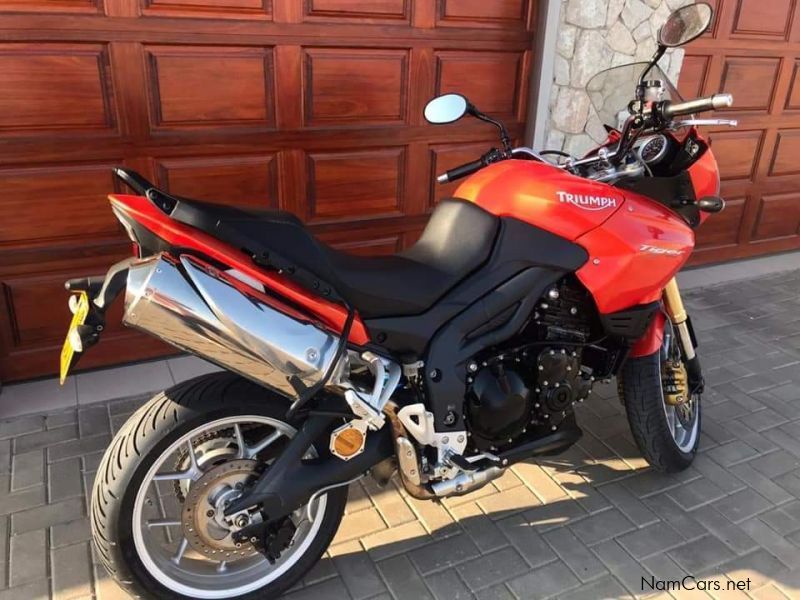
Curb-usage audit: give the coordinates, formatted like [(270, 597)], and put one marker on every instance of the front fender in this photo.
[(652, 339)]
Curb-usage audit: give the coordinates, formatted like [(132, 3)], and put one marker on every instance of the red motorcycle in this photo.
[(445, 363)]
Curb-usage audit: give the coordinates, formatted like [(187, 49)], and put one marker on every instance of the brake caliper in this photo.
[(675, 382), (270, 539)]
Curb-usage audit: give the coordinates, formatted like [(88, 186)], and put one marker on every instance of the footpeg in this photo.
[(485, 461)]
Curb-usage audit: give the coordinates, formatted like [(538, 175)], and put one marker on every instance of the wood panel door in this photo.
[(312, 106), (753, 52)]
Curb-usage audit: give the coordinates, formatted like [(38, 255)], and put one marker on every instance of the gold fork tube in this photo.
[(677, 314), (674, 303)]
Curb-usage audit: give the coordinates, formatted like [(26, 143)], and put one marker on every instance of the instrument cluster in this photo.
[(652, 149)]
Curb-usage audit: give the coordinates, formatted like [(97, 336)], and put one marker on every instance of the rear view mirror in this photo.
[(685, 24), (446, 109)]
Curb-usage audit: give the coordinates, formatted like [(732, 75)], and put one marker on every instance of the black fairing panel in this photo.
[(672, 186), (486, 309), (675, 192), (452, 346), (631, 323), (519, 246)]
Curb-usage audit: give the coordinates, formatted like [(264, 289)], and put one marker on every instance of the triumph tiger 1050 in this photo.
[(444, 364)]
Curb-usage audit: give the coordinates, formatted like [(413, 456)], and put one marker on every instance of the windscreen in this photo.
[(611, 91)]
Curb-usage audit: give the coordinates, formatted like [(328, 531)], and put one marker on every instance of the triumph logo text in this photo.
[(587, 202)]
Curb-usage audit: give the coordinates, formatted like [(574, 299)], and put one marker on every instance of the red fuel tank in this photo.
[(542, 195)]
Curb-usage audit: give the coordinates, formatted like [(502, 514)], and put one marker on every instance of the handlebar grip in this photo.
[(698, 105), (461, 171)]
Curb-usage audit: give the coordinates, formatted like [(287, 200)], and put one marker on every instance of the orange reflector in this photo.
[(347, 441)]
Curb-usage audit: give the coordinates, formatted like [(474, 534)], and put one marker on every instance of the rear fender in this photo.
[(652, 339)]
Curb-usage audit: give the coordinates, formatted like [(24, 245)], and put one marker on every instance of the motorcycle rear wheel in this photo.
[(667, 436), (140, 476)]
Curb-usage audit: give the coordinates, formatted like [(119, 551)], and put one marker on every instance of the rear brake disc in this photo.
[(204, 523)]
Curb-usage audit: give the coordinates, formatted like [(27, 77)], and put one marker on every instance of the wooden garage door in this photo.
[(753, 52), (313, 106)]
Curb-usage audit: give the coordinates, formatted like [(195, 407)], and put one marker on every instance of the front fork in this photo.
[(676, 312)]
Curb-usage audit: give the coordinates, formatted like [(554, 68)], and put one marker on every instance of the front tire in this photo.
[(667, 442), (139, 477)]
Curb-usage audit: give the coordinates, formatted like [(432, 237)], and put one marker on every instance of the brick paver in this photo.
[(588, 524)]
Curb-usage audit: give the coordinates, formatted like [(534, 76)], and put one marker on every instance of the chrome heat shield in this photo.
[(197, 308)]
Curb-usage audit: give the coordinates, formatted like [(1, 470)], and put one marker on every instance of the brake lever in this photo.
[(705, 122)]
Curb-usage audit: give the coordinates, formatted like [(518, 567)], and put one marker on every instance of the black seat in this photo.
[(457, 240)]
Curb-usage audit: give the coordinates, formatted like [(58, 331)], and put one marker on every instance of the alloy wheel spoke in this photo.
[(194, 472), (264, 443), (162, 523), (671, 420), (176, 558), (193, 466), (173, 475), (240, 443)]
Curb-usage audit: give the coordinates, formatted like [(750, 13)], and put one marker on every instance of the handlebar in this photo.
[(698, 105), (657, 114), (469, 168), (461, 171)]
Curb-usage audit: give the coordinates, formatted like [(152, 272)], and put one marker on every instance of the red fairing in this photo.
[(542, 195), (634, 254), (704, 174), (143, 211), (635, 245)]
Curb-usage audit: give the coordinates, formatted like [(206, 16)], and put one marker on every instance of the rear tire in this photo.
[(147, 434), (642, 393)]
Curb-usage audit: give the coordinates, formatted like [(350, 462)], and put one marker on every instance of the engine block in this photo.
[(561, 383), (531, 389)]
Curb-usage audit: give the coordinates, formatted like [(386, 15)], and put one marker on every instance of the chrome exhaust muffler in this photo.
[(195, 307)]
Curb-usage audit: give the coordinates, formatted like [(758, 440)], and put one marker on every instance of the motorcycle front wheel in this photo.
[(664, 415), (157, 506)]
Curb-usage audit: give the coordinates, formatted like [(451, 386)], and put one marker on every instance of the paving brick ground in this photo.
[(588, 524)]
